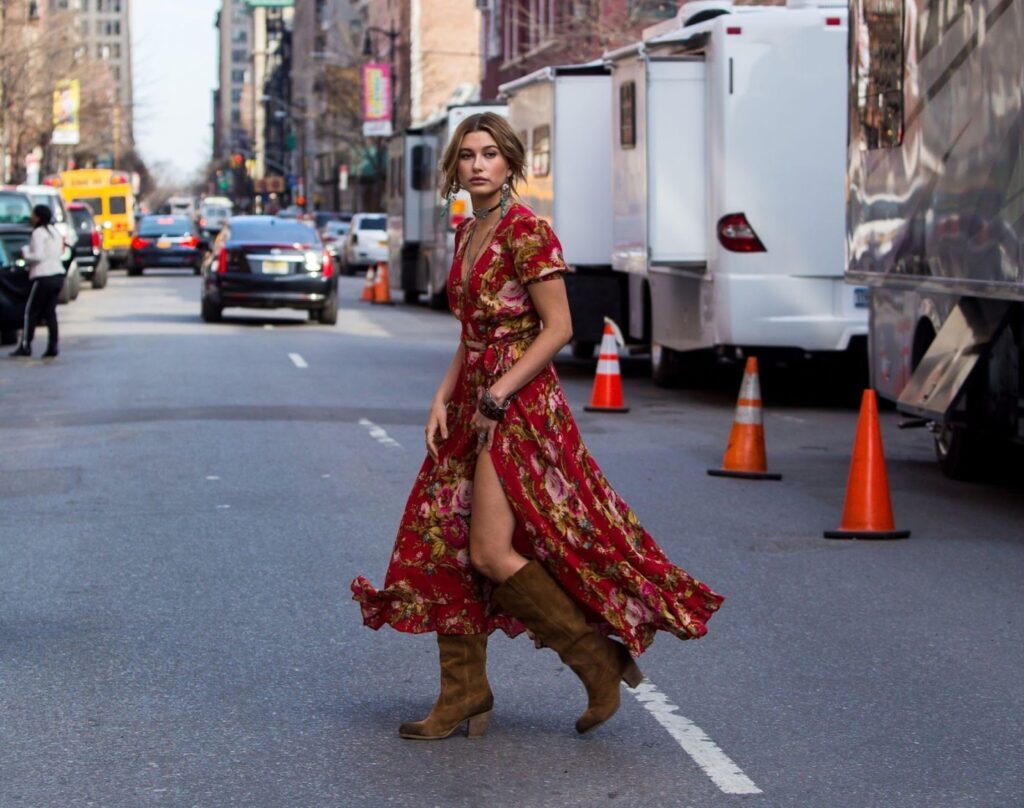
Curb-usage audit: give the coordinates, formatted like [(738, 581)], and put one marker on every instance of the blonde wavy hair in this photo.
[(509, 144)]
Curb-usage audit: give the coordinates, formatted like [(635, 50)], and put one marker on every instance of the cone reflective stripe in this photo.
[(382, 287), (607, 393), (745, 455), (867, 511), (371, 276)]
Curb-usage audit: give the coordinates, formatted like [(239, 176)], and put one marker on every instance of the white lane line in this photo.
[(378, 433), (212, 477), (705, 753), (297, 360)]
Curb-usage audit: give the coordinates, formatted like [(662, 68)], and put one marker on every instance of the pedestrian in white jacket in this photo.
[(46, 271)]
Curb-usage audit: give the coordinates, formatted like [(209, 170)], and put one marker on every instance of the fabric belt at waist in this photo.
[(479, 346)]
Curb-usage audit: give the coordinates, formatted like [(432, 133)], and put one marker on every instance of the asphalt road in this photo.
[(182, 507)]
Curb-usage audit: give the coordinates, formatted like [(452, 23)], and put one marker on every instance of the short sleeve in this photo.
[(536, 250)]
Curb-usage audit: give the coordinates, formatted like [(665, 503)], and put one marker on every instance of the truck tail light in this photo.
[(736, 234)]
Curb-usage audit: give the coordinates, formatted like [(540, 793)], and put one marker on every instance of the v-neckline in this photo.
[(466, 274)]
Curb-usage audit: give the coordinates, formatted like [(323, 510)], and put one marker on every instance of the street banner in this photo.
[(376, 99), (66, 96)]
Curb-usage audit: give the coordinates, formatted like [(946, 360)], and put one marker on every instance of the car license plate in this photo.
[(275, 267), (163, 244), (860, 297)]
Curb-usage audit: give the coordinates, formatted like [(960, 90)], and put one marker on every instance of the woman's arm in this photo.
[(33, 251), (437, 421), (552, 304)]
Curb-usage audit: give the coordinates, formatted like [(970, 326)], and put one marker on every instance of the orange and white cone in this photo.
[(607, 393), (382, 287), (745, 455), (867, 511), (371, 277)]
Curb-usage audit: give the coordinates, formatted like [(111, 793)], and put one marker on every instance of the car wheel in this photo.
[(211, 312), (329, 313), (75, 285), (99, 275)]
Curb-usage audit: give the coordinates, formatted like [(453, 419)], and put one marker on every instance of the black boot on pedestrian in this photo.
[(51, 352), (21, 350)]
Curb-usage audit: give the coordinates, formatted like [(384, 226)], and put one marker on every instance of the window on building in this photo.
[(540, 152), (236, 116), (236, 96), (240, 36), (238, 77), (240, 55), (83, 5), (878, 43), (627, 114)]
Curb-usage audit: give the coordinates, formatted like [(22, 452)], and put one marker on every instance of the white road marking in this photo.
[(705, 753), (212, 477), (325, 476), (297, 360), (378, 433), (268, 327), (793, 419), (223, 507)]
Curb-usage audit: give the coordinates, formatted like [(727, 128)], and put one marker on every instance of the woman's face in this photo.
[(34, 219), (483, 169)]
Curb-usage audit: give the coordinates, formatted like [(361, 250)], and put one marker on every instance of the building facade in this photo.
[(106, 33), (233, 116)]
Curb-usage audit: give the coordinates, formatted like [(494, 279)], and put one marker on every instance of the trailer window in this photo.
[(420, 179), (877, 37), (540, 163), (627, 115)]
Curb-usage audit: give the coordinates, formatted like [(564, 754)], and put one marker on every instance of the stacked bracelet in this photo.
[(490, 408)]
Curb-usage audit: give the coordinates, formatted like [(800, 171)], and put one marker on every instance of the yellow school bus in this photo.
[(108, 193)]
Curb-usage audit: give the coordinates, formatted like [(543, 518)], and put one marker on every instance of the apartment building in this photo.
[(106, 33), (233, 113)]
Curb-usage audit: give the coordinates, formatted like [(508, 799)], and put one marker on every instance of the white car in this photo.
[(49, 196), (367, 240)]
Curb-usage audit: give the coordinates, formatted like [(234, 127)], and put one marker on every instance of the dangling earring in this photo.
[(506, 190), (448, 199)]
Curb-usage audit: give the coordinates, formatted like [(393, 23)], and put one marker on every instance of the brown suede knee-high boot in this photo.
[(543, 606), (465, 694)]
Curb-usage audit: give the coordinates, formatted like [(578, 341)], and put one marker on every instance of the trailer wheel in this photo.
[(583, 349), (960, 452)]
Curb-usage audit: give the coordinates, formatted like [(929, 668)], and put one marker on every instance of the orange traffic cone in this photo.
[(867, 512), (371, 275), (607, 394), (745, 455), (382, 288)]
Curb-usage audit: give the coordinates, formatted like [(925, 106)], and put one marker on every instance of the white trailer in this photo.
[(411, 162), (728, 135), (563, 115), (936, 215), (436, 245)]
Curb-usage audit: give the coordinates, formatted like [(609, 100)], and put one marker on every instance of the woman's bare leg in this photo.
[(491, 526)]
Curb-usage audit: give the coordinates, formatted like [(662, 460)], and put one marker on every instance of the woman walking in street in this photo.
[(46, 273), (510, 523)]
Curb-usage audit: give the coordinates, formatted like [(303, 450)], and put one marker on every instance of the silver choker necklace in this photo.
[(483, 214)]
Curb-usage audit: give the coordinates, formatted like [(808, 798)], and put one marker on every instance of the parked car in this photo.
[(14, 282), (165, 241), (333, 234), (268, 262), (322, 217), (367, 240), (213, 214), (51, 197), (92, 260)]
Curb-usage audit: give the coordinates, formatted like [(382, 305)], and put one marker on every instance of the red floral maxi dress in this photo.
[(568, 516)]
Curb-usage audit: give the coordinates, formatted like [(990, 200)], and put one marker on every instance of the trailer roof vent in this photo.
[(696, 11)]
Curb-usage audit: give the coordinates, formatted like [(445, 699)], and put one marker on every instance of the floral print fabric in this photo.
[(568, 516)]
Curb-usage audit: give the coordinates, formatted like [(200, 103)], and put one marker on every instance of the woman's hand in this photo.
[(484, 428), (437, 425)]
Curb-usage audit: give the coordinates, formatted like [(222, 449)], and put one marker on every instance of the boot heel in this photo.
[(631, 674), (476, 726)]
